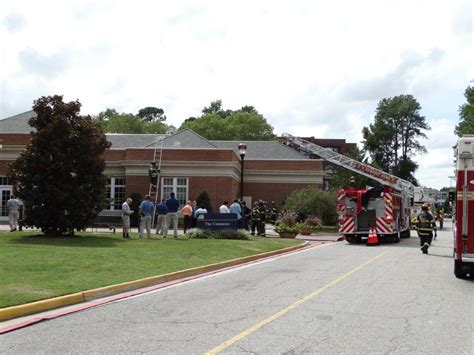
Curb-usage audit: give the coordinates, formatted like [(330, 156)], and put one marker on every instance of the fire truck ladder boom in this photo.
[(331, 156)]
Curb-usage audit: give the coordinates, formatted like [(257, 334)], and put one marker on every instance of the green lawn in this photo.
[(33, 267)]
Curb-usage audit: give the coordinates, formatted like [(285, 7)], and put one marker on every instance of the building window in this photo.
[(5, 193), (177, 185), (5, 181), (115, 193)]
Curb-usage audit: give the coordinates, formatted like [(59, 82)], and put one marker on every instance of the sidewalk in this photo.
[(269, 233), (318, 237)]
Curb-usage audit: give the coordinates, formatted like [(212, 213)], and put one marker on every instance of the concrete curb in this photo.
[(75, 298)]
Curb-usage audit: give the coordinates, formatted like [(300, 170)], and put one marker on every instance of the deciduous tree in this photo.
[(466, 114), (60, 174), (113, 122), (151, 114), (218, 124)]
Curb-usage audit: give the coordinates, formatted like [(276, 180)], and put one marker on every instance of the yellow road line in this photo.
[(281, 313)]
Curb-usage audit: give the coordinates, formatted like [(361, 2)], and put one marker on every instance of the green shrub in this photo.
[(287, 223), (285, 228), (313, 202), (204, 200), (197, 233)]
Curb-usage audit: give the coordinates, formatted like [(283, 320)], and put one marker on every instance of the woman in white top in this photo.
[(224, 207)]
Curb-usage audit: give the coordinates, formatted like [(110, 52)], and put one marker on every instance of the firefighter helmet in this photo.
[(425, 207)]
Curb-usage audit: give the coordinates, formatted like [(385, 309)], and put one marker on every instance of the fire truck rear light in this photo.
[(389, 219)]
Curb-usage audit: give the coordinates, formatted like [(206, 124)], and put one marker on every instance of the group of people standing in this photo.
[(166, 213), (253, 219)]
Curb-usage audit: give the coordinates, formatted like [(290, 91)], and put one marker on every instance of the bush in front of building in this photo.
[(313, 202), (59, 177), (197, 233), (204, 200)]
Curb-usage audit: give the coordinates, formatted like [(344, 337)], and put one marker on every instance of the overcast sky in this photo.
[(310, 67)]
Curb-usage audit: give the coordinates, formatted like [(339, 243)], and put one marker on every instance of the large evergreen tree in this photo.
[(466, 114), (393, 139), (60, 174)]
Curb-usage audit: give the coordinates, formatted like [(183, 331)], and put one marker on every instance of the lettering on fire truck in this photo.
[(376, 173)]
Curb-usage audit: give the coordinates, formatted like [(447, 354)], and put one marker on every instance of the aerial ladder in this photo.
[(386, 209)]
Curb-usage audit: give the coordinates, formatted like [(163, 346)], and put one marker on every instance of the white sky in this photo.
[(310, 67)]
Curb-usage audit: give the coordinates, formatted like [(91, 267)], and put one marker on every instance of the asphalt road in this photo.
[(336, 298)]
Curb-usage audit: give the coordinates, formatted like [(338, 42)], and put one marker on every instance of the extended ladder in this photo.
[(154, 189), (384, 178)]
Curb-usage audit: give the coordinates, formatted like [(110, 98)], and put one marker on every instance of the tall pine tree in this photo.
[(393, 139)]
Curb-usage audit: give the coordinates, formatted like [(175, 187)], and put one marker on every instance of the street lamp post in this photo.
[(242, 151)]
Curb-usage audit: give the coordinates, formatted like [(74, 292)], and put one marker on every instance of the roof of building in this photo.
[(123, 140), (17, 123), (186, 138), (262, 150)]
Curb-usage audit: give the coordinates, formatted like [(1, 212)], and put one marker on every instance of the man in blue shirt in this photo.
[(172, 206), (235, 208), (161, 211), (147, 209)]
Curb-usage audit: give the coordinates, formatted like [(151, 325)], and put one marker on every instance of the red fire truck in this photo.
[(463, 226), (384, 209)]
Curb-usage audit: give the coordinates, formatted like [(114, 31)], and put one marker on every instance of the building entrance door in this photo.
[(5, 193)]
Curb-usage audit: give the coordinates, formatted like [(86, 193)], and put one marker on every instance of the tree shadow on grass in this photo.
[(80, 241)]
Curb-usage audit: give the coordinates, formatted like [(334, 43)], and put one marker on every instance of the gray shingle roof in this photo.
[(17, 123), (187, 138), (121, 140), (262, 150)]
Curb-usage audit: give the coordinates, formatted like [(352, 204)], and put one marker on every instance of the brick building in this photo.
[(190, 164)]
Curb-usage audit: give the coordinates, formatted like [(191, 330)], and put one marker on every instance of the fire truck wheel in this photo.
[(353, 238), (350, 238), (458, 270)]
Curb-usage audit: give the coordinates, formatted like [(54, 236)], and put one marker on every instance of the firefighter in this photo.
[(425, 226), (262, 208), (153, 174), (255, 218), (352, 181), (272, 213), (441, 217)]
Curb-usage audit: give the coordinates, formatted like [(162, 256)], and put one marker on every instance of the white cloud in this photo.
[(438, 163), (311, 67)]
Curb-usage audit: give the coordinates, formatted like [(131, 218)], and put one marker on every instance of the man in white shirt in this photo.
[(224, 207), (126, 212)]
